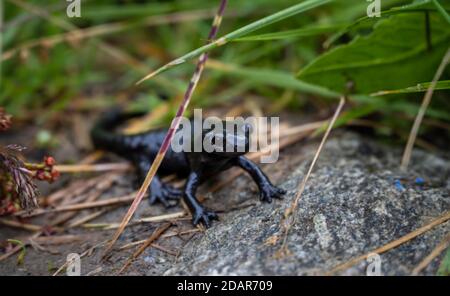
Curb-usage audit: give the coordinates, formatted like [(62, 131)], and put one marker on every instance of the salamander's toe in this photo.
[(204, 216), (270, 192), (172, 192), (165, 194)]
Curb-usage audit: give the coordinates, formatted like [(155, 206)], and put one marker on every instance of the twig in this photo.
[(436, 252), (102, 167), (87, 218), (175, 215), (17, 224), (289, 211), (83, 206), (155, 235), (392, 244), (160, 218), (423, 108), (175, 123), (94, 204)]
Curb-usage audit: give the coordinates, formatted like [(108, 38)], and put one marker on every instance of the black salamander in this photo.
[(142, 148)]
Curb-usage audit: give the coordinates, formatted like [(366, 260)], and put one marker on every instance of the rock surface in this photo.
[(355, 201)]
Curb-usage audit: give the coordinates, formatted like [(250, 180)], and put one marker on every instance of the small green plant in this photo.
[(444, 268), (17, 188)]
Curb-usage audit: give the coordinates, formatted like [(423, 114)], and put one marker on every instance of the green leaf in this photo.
[(394, 56), (417, 6), (421, 87)]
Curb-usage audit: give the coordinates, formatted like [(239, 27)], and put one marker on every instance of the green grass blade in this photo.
[(294, 33), (441, 10), (264, 22), (421, 87)]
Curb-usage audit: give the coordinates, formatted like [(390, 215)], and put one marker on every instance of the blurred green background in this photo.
[(49, 67)]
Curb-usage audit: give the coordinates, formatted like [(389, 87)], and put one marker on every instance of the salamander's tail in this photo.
[(103, 136)]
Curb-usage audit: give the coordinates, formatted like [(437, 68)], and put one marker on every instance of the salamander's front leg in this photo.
[(266, 189), (199, 213), (159, 191)]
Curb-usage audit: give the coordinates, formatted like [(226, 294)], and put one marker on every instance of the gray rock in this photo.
[(351, 205)]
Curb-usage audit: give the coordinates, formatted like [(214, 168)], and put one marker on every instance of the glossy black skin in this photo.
[(142, 148)]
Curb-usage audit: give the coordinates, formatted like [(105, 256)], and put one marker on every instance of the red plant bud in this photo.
[(49, 161)]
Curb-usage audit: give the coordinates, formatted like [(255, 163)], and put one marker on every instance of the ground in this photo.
[(356, 200)]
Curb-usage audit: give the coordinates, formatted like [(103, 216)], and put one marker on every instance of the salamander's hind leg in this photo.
[(159, 191)]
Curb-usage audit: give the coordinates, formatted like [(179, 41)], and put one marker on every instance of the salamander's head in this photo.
[(231, 141)]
